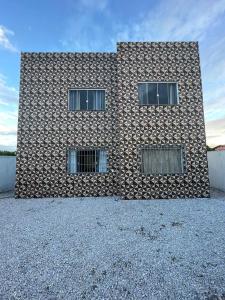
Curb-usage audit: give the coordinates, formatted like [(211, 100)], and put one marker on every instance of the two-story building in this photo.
[(128, 123)]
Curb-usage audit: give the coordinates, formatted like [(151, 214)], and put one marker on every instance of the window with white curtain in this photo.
[(157, 93), (86, 99), (86, 161), (162, 159)]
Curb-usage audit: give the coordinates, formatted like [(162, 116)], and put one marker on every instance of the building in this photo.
[(219, 148), (128, 123)]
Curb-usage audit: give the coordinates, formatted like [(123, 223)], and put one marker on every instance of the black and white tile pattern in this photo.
[(46, 128)]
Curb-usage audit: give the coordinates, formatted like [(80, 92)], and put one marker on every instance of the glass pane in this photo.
[(79, 162), (162, 161), (72, 161), (103, 101), (87, 161), (91, 161), (100, 100), (151, 160), (70, 100), (102, 161), (142, 93), (83, 99), (146, 161), (163, 93), (91, 100), (152, 93), (174, 160), (74, 103), (172, 93)]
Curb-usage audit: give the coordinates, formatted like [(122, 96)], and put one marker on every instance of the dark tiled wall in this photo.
[(182, 124), (47, 128)]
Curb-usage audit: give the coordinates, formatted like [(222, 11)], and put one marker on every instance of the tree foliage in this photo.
[(209, 148), (7, 153)]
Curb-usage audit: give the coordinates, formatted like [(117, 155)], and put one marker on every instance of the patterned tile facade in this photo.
[(46, 128)]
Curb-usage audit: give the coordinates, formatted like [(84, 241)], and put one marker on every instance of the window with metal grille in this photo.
[(87, 161), (162, 159), (157, 93), (86, 99)]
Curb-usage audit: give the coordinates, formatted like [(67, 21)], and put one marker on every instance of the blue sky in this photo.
[(96, 25)]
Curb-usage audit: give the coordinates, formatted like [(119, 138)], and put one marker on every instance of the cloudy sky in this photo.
[(96, 25)]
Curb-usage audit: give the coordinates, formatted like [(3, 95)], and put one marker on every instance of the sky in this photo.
[(96, 25)]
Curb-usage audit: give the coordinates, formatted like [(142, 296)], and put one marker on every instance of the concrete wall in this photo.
[(216, 162), (7, 173)]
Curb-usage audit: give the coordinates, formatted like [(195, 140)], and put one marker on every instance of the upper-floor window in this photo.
[(157, 93), (86, 161), (86, 99)]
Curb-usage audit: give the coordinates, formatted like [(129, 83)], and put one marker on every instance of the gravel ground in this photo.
[(107, 248)]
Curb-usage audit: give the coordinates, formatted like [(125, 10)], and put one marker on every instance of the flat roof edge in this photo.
[(157, 42), (121, 43), (60, 52)]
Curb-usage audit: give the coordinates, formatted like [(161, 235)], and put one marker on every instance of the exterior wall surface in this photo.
[(216, 161), (7, 173), (181, 124), (47, 129)]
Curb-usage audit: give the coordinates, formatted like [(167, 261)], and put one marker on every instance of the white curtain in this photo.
[(151, 161), (74, 100), (143, 93), (72, 161), (77, 101), (95, 101), (99, 102), (172, 93), (162, 161), (102, 161)]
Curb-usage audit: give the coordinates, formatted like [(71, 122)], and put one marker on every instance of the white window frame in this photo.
[(158, 146), (87, 149), (86, 89), (158, 94)]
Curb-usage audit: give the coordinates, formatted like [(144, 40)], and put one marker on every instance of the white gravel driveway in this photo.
[(105, 248)]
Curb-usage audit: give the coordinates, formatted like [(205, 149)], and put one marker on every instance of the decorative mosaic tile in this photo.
[(46, 128)]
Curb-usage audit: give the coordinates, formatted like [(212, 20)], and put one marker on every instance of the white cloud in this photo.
[(215, 132), (8, 113), (8, 128), (214, 105), (8, 116), (174, 20), (7, 132), (4, 39), (8, 94), (165, 21), (8, 140), (213, 76), (8, 148)]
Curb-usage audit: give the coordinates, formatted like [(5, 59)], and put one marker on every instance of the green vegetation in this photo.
[(7, 153), (209, 148)]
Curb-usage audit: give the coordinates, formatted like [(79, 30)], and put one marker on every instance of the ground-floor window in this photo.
[(162, 159), (87, 161)]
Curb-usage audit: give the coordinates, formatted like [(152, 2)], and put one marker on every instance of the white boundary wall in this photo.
[(7, 173), (216, 161)]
